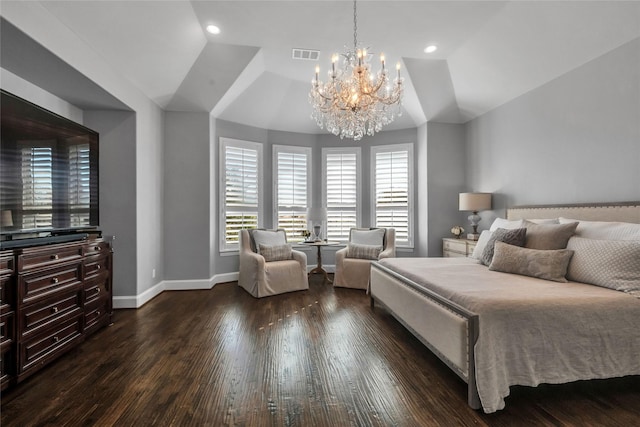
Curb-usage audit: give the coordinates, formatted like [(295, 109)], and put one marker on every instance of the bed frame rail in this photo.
[(447, 329)]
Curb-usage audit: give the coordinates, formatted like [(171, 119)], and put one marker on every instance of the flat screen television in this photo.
[(48, 172)]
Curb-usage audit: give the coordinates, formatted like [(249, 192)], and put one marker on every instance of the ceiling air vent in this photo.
[(306, 54)]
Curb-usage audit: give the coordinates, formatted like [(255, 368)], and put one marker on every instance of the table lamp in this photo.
[(316, 216), (474, 202)]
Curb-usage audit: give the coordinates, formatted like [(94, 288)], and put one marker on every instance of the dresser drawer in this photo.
[(33, 258), (7, 366), (96, 247), (95, 266), (7, 263), (50, 343), (7, 329), (96, 288), (54, 309), (456, 246), (40, 284), (6, 293), (97, 313)]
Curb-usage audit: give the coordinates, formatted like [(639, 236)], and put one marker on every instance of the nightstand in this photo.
[(457, 247)]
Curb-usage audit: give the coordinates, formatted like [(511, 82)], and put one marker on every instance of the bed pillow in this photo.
[(514, 237), (547, 264), (605, 230), (373, 237), (268, 238), (481, 244), (544, 220), (275, 253), (505, 223), (549, 236), (613, 264), (355, 250)]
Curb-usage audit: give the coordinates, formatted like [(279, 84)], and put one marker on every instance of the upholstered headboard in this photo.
[(623, 212)]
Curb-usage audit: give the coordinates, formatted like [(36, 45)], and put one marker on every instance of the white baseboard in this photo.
[(137, 301)]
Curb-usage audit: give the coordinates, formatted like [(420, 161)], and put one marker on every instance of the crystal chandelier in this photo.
[(355, 102)]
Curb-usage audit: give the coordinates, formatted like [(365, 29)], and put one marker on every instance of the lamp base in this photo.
[(472, 236)]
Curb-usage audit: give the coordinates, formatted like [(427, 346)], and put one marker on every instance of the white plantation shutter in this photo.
[(241, 189), (292, 189), (341, 191), (393, 190), (79, 185), (37, 184)]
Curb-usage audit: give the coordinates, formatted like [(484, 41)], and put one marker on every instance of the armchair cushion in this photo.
[(267, 238), (355, 250), (373, 237), (275, 253)]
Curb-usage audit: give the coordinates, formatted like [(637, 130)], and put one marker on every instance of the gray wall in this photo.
[(186, 205), (575, 139), (117, 194), (446, 179)]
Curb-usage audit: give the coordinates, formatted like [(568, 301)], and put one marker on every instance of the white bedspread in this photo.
[(534, 331)]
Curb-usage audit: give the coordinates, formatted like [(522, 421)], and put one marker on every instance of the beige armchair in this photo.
[(262, 278), (352, 272)]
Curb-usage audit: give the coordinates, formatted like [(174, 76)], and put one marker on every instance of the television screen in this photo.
[(48, 170)]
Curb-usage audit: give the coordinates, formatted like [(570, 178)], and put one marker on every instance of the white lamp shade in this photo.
[(6, 220), (316, 214), (474, 202)]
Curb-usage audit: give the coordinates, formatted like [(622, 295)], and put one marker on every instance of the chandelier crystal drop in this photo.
[(355, 101)]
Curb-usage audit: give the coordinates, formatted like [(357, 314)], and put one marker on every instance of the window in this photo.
[(341, 189), (393, 190), (37, 184), (291, 189), (241, 191)]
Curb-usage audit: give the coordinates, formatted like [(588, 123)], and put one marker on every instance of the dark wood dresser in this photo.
[(53, 296)]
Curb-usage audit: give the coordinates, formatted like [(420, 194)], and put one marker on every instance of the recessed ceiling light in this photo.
[(213, 29), (430, 49)]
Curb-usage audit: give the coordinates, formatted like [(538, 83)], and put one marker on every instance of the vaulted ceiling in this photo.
[(489, 52)]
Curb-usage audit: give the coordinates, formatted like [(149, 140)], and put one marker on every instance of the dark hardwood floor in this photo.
[(314, 358)]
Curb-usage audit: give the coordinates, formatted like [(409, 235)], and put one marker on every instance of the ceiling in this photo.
[(489, 52)]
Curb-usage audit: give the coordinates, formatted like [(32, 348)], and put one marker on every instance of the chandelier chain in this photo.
[(355, 27)]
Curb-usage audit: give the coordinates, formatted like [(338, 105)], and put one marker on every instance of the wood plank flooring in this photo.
[(321, 357)]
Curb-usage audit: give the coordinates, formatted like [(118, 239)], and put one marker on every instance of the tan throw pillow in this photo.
[(547, 264), (275, 253), (372, 237), (355, 250), (613, 264), (548, 236), (514, 237), (267, 238)]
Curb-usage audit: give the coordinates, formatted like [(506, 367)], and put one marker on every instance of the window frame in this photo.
[(408, 147), (308, 152), (242, 144), (342, 150)]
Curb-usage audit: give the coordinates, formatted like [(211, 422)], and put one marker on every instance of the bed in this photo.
[(497, 329)]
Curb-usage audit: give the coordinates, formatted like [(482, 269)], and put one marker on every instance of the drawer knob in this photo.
[(97, 290), (54, 280), (98, 313), (56, 339), (54, 309), (98, 267), (55, 256), (97, 248)]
